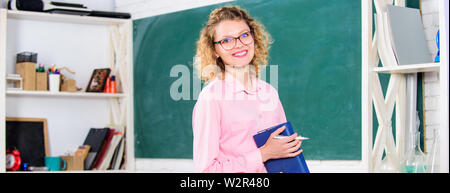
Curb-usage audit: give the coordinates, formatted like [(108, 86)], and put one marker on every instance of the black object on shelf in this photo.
[(26, 57), (63, 8)]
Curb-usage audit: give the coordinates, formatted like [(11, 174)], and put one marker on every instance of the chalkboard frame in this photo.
[(39, 120)]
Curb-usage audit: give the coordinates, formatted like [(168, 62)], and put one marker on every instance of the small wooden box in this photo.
[(28, 72), (69, 86), (74, 162), (41, 81)]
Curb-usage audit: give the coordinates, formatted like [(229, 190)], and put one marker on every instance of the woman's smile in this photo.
[(240, 54)]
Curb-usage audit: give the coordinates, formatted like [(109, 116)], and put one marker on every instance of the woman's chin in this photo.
[(240, 63)]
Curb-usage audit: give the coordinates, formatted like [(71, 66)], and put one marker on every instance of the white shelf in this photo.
[(74, 171), (42, 16), (64, 94), (412, 68)]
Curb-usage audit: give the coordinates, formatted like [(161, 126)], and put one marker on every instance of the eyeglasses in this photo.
[(230, 42)]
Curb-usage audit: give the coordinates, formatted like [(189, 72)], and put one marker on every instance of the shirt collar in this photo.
[(236, 86)]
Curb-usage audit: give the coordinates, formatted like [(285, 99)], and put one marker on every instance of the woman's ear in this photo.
[(217, 55)]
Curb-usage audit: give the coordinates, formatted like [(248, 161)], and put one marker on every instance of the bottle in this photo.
[(433, 155), (437, 58), (112, 84), (107, 85)]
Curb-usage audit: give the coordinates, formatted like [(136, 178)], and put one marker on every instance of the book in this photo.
[(94, 139), (408, 35), (104, 148), (295, 164), (105, 163), (118, 150), (118, 154)]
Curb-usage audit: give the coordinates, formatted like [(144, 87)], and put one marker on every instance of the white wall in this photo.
[(430, 18)]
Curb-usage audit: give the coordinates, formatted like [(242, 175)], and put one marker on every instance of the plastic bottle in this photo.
[(112, 84), (107, 85), (438, 57)]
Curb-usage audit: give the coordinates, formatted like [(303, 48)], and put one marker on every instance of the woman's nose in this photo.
[(238, 43)]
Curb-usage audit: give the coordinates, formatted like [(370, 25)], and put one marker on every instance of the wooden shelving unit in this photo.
[(116, 109), (373, 96)]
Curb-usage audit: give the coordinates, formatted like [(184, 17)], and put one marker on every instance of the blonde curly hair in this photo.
[(206, 62)]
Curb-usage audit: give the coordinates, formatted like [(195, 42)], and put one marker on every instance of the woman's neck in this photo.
[(243, 74)]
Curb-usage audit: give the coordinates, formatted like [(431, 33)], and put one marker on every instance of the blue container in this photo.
[(437, 58)]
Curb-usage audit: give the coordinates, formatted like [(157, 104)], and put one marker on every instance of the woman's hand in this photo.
[(280, 148)]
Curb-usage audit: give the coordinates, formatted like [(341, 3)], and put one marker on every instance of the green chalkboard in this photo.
[(317, 50)]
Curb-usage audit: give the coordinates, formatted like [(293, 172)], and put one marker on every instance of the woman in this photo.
[(235, 104)]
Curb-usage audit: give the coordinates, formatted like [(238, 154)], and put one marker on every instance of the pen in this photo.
[(282, 136)]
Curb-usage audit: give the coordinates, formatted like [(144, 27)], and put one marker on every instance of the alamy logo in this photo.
[(187, 85)]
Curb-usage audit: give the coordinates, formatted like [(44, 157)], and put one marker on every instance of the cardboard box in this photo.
[(28, 72), (41, 81)]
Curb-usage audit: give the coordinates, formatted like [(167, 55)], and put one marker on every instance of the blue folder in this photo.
[(295, 164)]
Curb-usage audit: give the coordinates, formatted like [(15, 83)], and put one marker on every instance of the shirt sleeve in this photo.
[(280, 110), (206, 121)]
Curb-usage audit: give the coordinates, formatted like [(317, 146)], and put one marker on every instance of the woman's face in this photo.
[(227, 32)]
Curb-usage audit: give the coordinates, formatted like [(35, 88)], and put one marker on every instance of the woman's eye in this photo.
[(244, 35), (227, 40)]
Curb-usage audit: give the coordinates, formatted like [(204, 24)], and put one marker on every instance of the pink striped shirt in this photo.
[(224, 120)]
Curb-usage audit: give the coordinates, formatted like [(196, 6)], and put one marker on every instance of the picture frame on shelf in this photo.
[(98, 80)]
